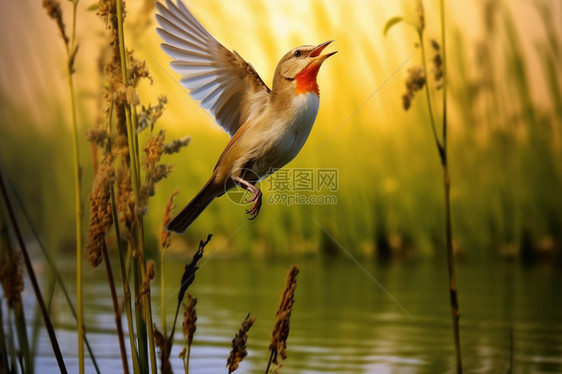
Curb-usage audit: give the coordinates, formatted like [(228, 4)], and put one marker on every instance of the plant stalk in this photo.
[(126, 289), (71, 49), (447, 187), (134, 167), (162, 296), (56, 273), (78, 218), (33, 278), (116, 309)]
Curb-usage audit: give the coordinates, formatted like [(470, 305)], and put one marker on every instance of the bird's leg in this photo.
[(256, 196)]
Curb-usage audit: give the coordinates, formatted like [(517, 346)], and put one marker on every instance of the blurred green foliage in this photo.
[(505, 164)]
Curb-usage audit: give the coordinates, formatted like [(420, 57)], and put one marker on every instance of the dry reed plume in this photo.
[(11, 270), (189, 319), (239, 352), (280, 333)]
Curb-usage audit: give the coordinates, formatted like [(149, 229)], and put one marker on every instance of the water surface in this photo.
[(343, 321)]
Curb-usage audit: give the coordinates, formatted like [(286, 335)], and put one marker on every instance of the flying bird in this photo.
[(268, 127)]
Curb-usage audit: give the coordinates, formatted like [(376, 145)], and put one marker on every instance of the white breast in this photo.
[(306, 108), (287, 139)]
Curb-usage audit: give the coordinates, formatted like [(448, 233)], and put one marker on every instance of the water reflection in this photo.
[(344, 323)]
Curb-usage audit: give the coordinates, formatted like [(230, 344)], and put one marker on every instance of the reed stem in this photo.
[(55, 270), (78, 218), (116, 309), (271, 359), (33, 278), (162, 295), (447, 187), (146, 317), (71, 49), (3, 347), (126, 289)]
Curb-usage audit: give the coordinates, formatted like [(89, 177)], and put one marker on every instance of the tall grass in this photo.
[(54, 11), (12, 283), (418, 78)]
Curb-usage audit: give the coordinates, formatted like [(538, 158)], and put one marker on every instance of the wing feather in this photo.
[(222, 81)]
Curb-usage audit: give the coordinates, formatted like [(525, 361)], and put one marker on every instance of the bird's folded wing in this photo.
[(219, 79)]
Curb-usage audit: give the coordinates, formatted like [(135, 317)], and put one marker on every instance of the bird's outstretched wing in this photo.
[(222, 81)]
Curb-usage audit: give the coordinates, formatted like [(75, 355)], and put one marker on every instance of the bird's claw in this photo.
[(256, 199)]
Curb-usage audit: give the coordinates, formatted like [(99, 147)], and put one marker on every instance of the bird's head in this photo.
[(299, 68)]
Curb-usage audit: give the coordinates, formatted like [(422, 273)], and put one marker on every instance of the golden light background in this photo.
[(361, 128)]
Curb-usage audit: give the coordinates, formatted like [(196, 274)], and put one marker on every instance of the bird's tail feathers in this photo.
[(192, 210)]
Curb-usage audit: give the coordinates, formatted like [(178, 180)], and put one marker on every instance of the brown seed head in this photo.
[(55, 12), (177, 144), (165, 234), (101, 217), (11, 272), (150, 270), (189, 319), (239, 351), (281, 329), (414, 82), (437, 64)]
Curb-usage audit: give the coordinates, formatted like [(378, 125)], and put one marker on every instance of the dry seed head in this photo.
[(159, 339), (155, 172), (189, 319), (420, 16), (101, 217), (147, 117), (132, 96), (136, 69), (55, 12), (125, 196), (437, 64), (414, 82), (177, 144), (11, 272), (97, 136), (239, 351), (183, 353), (150, 270), (165, 234), (281, 329), (153, 150)]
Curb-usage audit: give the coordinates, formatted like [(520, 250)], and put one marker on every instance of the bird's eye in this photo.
[(298, 53)]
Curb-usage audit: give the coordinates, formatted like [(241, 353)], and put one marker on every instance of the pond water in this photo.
[(371, 318)]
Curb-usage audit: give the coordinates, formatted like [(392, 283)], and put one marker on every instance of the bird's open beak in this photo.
[(315, 53)]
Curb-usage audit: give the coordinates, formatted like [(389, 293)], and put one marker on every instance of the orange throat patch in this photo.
[(306, 79)]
